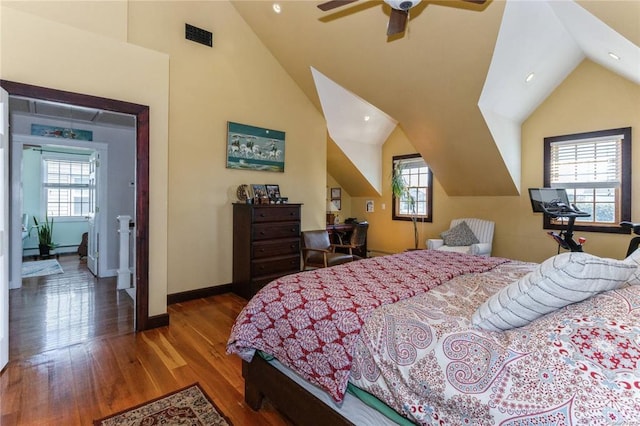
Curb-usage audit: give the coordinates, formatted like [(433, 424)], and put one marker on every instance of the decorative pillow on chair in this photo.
[(557, 282), (634, 259), (459, 235)]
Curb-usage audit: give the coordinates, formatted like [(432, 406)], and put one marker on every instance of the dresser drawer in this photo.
[(270, 231), (275, 265), (260, 249), (279, 214)]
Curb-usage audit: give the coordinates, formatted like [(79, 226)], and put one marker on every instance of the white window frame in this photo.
[(61, 157)]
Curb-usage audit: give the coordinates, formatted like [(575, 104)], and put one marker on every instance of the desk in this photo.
[(345, 230)]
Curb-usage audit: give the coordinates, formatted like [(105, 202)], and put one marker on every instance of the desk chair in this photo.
[(318, 252), (357, 239)]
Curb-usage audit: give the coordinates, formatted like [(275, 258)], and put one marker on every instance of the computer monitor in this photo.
[(547, 195)]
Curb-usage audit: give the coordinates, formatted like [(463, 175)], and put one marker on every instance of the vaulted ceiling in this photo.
[(430, 80)]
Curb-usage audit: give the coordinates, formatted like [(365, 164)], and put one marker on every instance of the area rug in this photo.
[(40, 268), (188, 406)]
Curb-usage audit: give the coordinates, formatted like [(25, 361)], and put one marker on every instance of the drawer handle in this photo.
[(262, 215), (261, 232), (293, 229)]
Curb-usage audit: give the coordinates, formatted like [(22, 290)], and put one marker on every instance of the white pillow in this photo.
[(557, 282), (634, 259)]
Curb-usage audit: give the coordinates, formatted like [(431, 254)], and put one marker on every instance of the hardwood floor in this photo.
[(94, 373), (59, 310)]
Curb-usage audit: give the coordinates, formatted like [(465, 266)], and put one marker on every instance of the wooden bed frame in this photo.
[(261, 380)]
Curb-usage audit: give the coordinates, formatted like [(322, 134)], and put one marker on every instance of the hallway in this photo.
[(59, 310)]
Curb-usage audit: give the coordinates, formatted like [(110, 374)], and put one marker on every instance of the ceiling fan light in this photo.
[(402, 4)]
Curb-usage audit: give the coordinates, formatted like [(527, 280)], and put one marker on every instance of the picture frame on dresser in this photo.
[(258, 190), (273, 191)]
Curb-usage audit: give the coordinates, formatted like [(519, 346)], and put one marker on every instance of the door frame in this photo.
[(5, 220), (141, 112)]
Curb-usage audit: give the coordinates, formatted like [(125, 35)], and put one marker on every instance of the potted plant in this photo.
[(45, 236), (400, 189)]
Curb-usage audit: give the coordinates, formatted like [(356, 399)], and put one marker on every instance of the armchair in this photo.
[(318, 252), (481, 229)]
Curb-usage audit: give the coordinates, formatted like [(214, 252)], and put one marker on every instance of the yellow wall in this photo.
[(192, 91), (236, 80), (384, 234), (345, 199), (108, 18), (46, 53), (591, 98)]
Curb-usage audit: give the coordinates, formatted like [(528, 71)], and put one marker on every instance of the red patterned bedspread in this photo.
[(310, 321)]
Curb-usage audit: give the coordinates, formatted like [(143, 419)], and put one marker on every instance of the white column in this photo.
[(124, 272)]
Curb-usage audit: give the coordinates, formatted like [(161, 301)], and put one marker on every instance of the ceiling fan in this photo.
[(399, 11)]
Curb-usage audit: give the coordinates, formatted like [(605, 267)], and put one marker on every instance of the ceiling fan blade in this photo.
[(476, 1), (397, 21), (333, 4)]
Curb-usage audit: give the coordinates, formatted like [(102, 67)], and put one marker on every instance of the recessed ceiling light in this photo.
[(529, 77), (277, 8), (614, 56), (367, 118)]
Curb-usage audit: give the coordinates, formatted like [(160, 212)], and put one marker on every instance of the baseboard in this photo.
[(156, 321), (109, 273), (200, 293), (34, 251), (376, 253)]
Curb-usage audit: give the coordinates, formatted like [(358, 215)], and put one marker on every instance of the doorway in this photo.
[(54, 183), (141, 112)]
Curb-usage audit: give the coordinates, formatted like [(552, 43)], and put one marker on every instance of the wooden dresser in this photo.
[(266, 245)]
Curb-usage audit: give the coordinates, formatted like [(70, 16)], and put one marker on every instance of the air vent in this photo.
[(198, 35)]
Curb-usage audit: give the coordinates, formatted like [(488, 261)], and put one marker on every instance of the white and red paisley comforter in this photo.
[(310, 321), (578, 365)]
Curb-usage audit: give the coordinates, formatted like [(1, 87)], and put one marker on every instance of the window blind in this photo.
[(586, 163)]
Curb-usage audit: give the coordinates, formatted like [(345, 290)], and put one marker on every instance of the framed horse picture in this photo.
[(254, 148)]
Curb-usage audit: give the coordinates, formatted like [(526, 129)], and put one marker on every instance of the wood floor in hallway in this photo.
[(58, 310), (89, 368)]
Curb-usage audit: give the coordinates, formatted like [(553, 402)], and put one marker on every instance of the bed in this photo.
[(449, 338)]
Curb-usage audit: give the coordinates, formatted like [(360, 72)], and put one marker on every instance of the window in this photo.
[(417, 200), (66, 187), (595, 169)]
